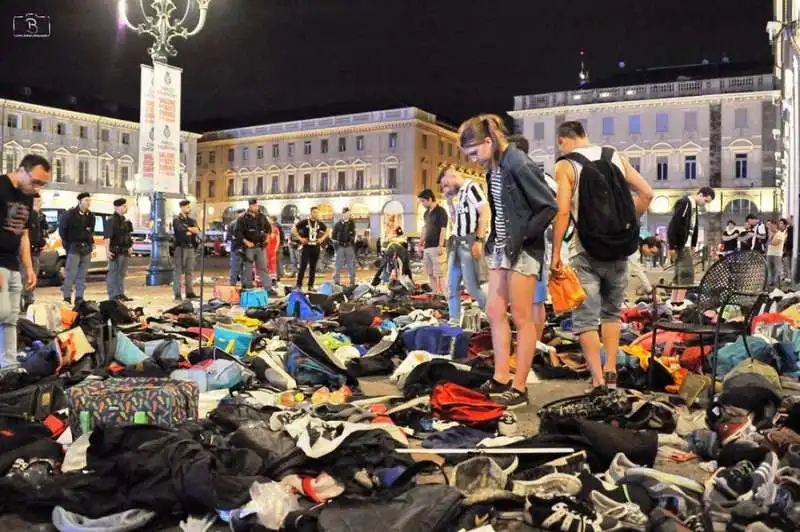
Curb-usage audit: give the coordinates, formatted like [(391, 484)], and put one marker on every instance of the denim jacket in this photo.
[(528, 204)]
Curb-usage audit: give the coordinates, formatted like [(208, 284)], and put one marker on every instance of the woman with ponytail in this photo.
[(522, 207)]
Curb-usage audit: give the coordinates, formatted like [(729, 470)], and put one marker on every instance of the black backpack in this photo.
[(608, 226)]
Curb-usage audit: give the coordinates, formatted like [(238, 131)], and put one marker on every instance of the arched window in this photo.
[(740, 208)]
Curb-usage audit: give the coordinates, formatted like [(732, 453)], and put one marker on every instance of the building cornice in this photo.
[(331, 131), (648, 103), (66, 114), (305, 134)]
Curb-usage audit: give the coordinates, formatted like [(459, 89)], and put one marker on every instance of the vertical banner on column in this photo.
[(146, 165), (167, 141)]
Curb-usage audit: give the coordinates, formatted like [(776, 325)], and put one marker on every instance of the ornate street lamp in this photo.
[(163, 28)]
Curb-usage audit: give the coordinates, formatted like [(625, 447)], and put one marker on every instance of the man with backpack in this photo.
[(594, 191), (344, 240), (682, 235)]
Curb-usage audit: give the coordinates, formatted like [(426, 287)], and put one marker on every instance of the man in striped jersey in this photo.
[(470, 215)]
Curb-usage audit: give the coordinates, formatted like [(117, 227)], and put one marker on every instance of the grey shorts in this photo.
[(684, 268), (525, 264), (432, 259), (605, 284)]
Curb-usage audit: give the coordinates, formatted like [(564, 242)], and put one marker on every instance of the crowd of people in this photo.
[(501, 244)]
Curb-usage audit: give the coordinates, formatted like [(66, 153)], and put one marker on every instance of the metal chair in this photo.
[(737, 279)]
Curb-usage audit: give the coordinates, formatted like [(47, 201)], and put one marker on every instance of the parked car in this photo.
[(142, 244), (52, 266)]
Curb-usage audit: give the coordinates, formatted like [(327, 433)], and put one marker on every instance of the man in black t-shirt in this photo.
[(344, 240), (16, 210), (312, 233), (432, 243)]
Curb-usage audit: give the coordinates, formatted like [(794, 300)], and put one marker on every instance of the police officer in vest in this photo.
[(118, 244), (252, 229), (186, 242), (76, 228)]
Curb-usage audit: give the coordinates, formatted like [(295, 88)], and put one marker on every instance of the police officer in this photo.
[(252, 229), (76, 228), (186, 243), (118, 247), (38, 235), (235, 247)]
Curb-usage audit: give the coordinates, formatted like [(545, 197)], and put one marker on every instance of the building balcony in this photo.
[(764, 82)]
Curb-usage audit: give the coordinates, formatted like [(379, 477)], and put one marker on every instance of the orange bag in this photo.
[(68, 317), (228, 294), (566, 292)]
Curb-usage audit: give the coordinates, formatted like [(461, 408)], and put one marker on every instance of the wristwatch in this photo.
[(480, 239)]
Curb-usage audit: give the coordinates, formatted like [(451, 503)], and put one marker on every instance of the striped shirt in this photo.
[(466, 211), (496, 190)]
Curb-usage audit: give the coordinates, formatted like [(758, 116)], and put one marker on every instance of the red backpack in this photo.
[(456, 403)]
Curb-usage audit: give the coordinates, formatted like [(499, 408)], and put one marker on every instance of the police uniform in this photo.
[(253, 228), (118, 233), (76, 228), (186, 245)]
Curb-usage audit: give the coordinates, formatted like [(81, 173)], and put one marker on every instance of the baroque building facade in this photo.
[(374, 162), (682, 128), (88, 153)]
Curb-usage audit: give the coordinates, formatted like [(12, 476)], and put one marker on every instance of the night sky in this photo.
[(261, 58)]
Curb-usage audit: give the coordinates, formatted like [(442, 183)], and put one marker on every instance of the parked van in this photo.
[(53, 261)]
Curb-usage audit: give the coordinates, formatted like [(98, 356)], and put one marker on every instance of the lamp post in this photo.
[(163, 28)]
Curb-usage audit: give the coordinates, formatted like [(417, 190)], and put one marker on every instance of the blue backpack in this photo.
[(298, 306), (308, 371), (438, 340)]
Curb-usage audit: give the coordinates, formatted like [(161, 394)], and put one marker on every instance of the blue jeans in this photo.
[(236, 267), (345, 256), (76, 268), (10, 298), (462, 265)]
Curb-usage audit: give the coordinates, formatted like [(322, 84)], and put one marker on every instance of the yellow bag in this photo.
[(566, 292), (247, 322)]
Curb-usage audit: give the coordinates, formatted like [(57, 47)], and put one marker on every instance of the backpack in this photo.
[(298, 306), (439, 339), (607, 224), (454, 402)]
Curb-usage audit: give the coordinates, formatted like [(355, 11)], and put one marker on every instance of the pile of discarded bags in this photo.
[(247, 413)]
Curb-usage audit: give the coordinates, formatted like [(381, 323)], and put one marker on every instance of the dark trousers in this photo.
[(308, 259)]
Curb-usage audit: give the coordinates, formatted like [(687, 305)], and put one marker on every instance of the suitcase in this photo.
[(110, 402)]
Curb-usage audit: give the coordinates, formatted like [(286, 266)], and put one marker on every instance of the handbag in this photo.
[(227, 293), (566, 292)]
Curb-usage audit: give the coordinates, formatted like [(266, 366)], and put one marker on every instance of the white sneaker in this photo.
[(549, 485), (616, 471), (627, 513)]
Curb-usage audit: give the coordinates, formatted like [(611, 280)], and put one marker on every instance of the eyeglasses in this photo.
[(38, 183)]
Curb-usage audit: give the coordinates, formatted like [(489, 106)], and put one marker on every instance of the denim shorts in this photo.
[(525, 264), (605, 284)]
